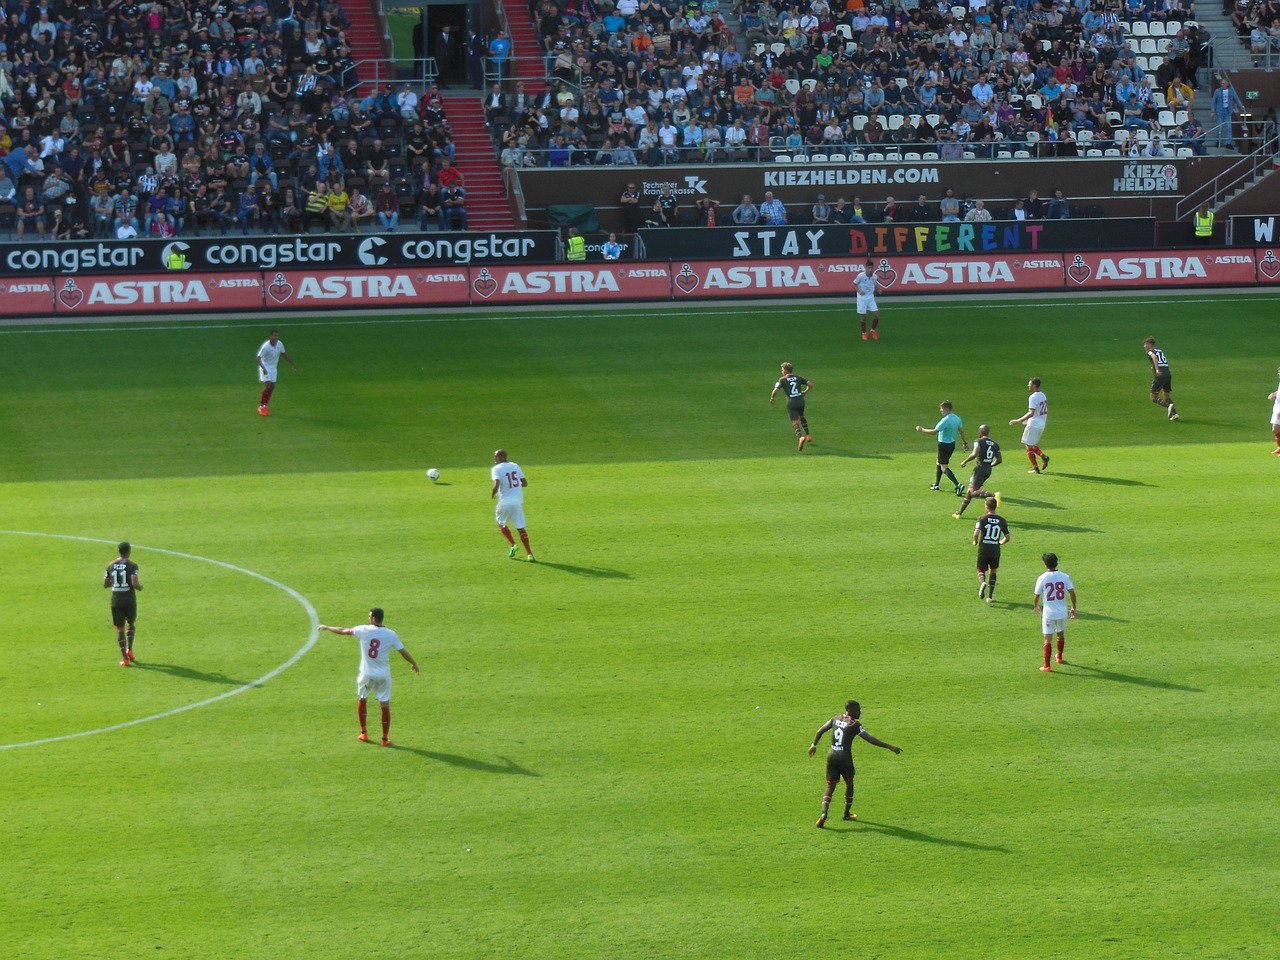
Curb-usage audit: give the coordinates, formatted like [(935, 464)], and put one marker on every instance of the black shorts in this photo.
[(1163, 380), (795, 408), (945, 450), (980, 476), (124, 611), (988, 556), (839, 765)]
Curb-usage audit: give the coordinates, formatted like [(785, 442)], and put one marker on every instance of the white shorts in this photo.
[(867, 304), (1031, 435), (267, 376), (377, 687), (1053, 626), (510, 515)]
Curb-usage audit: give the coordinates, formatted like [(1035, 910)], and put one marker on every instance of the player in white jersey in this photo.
[(508, 486), (269, 356), (1052, 590), (1033, 421), (376, 644), (1275, 416), (865, 284)]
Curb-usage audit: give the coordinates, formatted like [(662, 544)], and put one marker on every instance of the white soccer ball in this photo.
[(433, 473)]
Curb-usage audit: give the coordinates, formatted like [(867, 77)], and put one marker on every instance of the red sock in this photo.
[(386, 721), (1278, 438), (362, 710), (1031, 455), (875, 323), (863, 321), (507, 533), (1062, 645), (524, 538), (1048, 649)]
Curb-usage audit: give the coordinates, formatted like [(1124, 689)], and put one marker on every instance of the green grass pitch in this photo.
[(604, 756)]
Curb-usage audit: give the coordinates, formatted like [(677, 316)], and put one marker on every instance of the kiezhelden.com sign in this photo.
[(272, 253)]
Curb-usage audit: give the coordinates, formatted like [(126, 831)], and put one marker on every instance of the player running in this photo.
[(987, 452), (990, 534), (1034, 421), (794, 387), (1161, 378)]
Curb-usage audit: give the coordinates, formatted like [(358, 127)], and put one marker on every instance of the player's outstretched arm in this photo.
[(344, 630), (877, 742)]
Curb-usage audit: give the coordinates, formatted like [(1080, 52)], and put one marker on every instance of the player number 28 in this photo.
[(1055, 591)]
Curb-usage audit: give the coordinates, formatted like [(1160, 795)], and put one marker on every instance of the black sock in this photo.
[(952, 477)]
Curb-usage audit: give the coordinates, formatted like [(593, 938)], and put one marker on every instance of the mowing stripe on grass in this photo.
[(306, 605)]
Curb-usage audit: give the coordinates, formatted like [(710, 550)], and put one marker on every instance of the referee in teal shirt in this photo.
[(948, 428)]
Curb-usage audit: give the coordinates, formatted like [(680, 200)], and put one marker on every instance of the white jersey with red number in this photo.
[(509, 477), (1039, 407), (1052, 588), (376, 644)]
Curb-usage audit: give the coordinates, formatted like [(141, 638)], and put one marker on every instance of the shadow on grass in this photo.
[(1056, 527), (902, 833), (507, 766), (1033, 504), (1084, 615), (594, 573), (186, 673), (1095, 673), (1115, 481), (850, 454)]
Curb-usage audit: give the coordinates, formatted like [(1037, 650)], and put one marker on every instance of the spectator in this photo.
[(821, 212), (772, 211), (949, 207), (30, 212), (430, 207), (387, 208), (746, 214), (979, 213), (1058, 208), (453, 208), (247, 209)]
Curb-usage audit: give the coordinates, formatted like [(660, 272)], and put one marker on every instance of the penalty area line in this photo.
[(270, 675)]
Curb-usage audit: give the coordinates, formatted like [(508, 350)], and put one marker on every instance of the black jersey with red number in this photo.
[(843, 731), (793, 386)]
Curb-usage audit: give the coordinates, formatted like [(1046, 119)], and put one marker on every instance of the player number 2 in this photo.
[(374, 644)]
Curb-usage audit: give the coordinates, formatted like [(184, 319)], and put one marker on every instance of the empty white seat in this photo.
[(1021, 155), (1093, 153), (782, 158), (1186, 152)]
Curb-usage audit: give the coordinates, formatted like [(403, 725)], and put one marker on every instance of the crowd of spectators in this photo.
[(665, 81), (667, 211), (1257, 23), (124, 118)]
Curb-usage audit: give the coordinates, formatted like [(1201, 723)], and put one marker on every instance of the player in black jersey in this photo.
[(1161, 377), (794, 387), (122, 580), (987, 452), (990, 534), (844, 729)]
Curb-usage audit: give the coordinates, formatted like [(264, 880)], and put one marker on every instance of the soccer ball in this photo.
[(433, 473)]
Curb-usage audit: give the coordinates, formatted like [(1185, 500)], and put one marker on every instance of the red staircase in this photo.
[(526, 47), (487, 207), (364, 36)]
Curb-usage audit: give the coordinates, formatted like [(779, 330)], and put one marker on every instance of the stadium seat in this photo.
[(1093, 153), (781, 158), (1186, 152), (1137, 29)]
